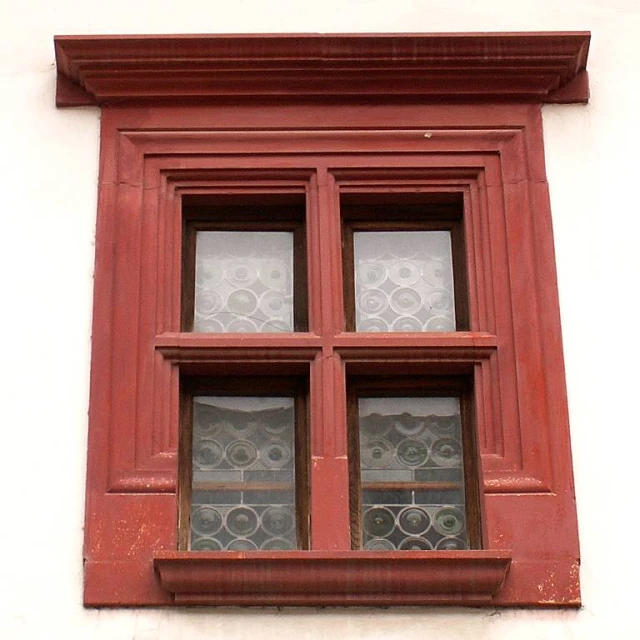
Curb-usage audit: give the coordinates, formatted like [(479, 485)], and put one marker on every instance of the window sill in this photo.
[(329, 578)]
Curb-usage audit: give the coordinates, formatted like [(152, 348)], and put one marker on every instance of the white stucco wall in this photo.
[(48, 177)]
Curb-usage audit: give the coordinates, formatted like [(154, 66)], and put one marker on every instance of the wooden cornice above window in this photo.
[(462, 67)]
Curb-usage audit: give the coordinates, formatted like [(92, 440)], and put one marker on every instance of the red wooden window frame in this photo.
[(455, 114)]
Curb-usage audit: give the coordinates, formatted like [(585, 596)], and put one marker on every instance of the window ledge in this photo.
[(330, 578)]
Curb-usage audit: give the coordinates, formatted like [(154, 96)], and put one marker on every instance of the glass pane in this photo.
[(244, 282), (411, 473), (404, 281), (243, 484)]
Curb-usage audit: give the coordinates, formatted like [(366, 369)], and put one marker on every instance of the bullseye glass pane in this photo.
[(243, 282), (243, 482), (404, 281), (411, 474)]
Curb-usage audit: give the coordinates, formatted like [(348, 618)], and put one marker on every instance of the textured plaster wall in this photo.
[(48, 177)]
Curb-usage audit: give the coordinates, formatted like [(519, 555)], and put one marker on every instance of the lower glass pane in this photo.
[(412, 476), (243, 479)]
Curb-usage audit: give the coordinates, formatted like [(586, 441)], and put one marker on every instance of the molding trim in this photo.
[(456, 67), (320, 578)]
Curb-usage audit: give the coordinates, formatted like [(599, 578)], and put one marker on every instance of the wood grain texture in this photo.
[(334, 578)]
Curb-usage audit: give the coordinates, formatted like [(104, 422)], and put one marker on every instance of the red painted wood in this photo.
[(109, 583), (328, 465), (538, 67), (492, 155), (333, 578)]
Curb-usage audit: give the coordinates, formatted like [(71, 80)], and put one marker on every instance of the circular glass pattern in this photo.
[(241, 454), (371, 274), (451, 544), (434, 273), (407, 324), (275, 326), (414, 521), (276, 427), (209, 274), (404, 273), (376, 454), (206, 421), (275, 275), (448, 521), (208, 303), (242, 521), (373, 325), (409, 425), (241, 428), (443, 425), (412, 453), (205, 544), (405, 301), (275, 455), (209, 325), (440, 323), (243, 325), (277, 521), (243, 302), (206, 520), (241, 274), (373, 301), (446, 452), (274, 305), (277, 544), (441, 301), (379, 522), (379, 544), (207, 453), (242, 544), (375, 425), (415, 544)]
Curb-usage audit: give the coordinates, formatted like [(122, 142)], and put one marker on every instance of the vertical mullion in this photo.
[(329, 504), (329, 245), (329, 478)]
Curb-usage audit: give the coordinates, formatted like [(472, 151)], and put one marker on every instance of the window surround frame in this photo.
[(153, 151)]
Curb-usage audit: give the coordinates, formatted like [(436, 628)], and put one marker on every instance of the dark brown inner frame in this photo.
[(404, 212), (245, 212), (416, 387), (297, 387)]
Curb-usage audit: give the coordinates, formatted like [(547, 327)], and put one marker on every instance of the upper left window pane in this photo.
[(244, 282), (245, 266)]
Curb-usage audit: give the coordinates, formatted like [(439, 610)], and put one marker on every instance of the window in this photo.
[(414, 477), (404, 264), (242, 261), (326, 364), (244, 271), (247, 488)]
